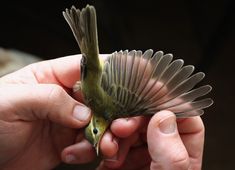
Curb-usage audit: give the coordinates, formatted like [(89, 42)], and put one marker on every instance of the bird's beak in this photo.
[(96, 146)]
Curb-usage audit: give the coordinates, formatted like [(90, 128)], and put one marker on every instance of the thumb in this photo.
[(42, 101), (165, 145)]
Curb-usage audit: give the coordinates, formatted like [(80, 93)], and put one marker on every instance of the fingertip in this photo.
[(161, 123), (124, 127), (82, 114), (74, 154), (192, 132), (165, 144), (124, 146), (51, 101), (191, 125), (78, 117), (159, 116), (109, 145), (156, 123)]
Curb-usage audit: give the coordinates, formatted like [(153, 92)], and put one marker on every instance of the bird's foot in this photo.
[(77, 86)]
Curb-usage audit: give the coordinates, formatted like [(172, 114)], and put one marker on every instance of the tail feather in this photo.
[(84, 27)]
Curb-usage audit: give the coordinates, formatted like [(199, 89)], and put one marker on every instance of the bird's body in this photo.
[(133, 83)]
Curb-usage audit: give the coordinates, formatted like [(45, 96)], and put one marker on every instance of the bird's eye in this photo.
[(95, 131)]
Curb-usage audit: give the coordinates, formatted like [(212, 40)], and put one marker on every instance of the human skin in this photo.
[(170, 145), (42, 121)]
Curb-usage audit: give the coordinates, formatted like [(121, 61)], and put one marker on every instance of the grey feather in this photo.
[(142, 84), (84, 27)]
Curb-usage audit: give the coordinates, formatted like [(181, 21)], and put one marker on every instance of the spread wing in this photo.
[(142, 84)]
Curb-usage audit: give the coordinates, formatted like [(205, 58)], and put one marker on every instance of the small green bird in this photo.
[(131, 83)]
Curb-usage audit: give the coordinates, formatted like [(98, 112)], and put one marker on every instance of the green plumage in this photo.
[(131, 83), (84, 28)]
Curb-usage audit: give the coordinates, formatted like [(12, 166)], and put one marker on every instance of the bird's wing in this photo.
[(142, 84)]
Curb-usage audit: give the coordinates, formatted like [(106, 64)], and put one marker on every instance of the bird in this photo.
[(130, 83)]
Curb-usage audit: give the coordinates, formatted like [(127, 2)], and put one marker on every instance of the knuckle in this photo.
[(180, 162), (174, 162), (55, 92), (55, 97)]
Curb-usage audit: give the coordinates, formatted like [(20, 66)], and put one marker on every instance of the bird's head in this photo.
[(95, 130)]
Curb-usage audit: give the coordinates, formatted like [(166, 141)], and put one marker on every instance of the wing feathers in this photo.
[(146, 83)]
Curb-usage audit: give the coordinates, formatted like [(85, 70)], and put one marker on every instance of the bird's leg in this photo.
[(77, 86), (83, 66)]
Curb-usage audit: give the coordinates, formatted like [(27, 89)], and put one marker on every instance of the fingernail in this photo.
[(81, 113), (70, 158), (115, 141), (168, 125)]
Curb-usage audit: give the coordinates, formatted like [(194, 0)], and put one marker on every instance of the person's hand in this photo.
[(175, 145), (171, 144), (38, 117), (40, 121)]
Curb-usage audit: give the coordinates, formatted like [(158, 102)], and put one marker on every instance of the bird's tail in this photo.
[(84, 27)]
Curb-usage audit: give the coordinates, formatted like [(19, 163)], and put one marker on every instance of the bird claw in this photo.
[(77, 86)]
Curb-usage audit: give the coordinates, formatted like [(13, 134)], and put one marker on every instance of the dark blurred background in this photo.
[(201, 32)]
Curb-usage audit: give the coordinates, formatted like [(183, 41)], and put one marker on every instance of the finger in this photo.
[(124, 127), (133, 161), (43, 101), (192, 133), (109, 145), (81, 152), (129, 129), (165, 146), (124, 147), (64, 71)]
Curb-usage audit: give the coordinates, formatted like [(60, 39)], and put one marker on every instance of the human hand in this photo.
[(172, 144), (38, 117), (39, 122), (175, 144)]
